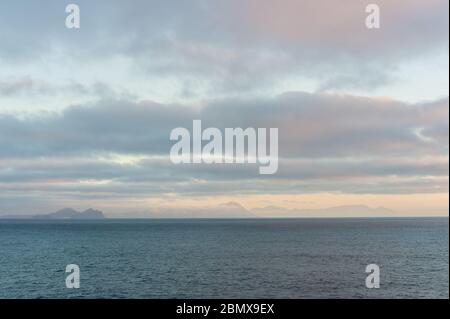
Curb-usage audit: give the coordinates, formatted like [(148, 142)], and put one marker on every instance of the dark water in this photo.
[(300, 258)]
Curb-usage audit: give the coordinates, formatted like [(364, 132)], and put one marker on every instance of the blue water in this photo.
[(278, 258)]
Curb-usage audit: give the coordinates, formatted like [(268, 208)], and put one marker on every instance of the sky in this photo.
[(86, 114)]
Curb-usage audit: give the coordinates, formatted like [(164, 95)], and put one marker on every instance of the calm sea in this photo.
[(265, 258)]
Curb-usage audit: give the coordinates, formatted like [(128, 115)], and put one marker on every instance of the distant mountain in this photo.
[(224, 210), (337, 211), (69, 213)]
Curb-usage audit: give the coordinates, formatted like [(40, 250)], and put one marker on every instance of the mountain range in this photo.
[(224, 210), (236, 210), (65, 213)]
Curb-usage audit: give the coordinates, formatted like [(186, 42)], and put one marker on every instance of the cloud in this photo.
[(21, 85), (231, 46), (126, 70), (311, 126), (327, 142)]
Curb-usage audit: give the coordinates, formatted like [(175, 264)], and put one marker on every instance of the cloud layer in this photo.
[(327, 142), (229, 47), (85, 115)]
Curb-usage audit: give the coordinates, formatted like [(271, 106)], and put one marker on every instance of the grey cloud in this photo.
[(22, 85), (163, 171), (31, 87), (310, 126), (232, 45), (327, 143)]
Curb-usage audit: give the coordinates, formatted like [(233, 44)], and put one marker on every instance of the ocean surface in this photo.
[(257, 258)]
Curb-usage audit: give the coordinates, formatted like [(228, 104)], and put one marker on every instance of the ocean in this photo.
[(252, 258)]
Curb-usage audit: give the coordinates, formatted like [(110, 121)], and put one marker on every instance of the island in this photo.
[(70, 213)]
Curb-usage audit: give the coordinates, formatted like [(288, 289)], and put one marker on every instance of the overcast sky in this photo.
[(86, 114)]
